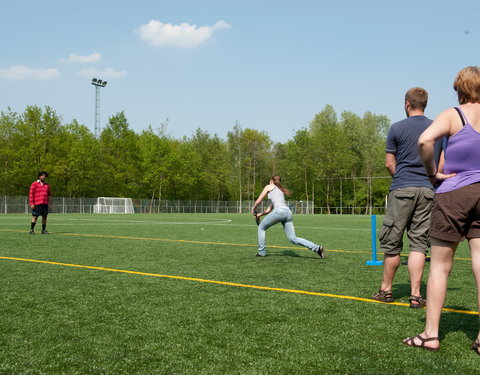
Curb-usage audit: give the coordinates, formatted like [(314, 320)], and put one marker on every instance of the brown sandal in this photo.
[(476, 346), (383, 296), (411, 342), (420, 302)]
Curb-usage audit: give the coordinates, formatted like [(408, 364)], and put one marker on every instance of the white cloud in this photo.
[(25, 72), (183, 35), (74, 58), (221, 25), (103, 73)]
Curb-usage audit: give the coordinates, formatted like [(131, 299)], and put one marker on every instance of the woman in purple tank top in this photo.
[(456, 208)]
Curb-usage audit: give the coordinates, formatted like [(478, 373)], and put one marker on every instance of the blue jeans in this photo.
[(281, 215)]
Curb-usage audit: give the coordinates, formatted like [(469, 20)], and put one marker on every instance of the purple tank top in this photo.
[(463, 158)]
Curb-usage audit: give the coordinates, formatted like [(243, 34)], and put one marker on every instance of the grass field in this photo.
[(184, 294)]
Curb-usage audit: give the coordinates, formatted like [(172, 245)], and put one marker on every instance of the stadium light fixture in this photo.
[(97, 83)]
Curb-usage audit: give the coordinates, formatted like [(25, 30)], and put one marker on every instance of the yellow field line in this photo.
[(225, 283), (183, 241), (197, 242)]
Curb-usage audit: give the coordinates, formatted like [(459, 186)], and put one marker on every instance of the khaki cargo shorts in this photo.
[(408, 209)]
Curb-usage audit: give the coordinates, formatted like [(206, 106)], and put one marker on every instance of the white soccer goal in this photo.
[(106, 205)]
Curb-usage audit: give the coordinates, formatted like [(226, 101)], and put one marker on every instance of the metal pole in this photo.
[(97, 111), (97, 83), (374, 261), (240, 172), (341, 197)]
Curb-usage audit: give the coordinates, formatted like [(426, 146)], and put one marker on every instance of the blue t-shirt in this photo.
[(402, 141)]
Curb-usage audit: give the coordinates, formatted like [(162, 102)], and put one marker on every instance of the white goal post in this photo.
[(108, 205)]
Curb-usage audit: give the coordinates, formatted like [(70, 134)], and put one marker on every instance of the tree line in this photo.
[(152, 164)]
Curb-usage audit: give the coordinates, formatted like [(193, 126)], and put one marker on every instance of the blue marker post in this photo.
[(374, 261)]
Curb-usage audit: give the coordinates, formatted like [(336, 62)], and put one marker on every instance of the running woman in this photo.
[(278, 212)]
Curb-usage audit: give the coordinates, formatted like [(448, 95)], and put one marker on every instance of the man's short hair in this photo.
[(467, 85), (42, 173), (417, 97)]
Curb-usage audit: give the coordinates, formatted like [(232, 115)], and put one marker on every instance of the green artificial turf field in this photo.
[(184, 294)]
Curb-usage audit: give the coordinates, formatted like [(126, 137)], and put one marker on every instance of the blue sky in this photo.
[(270, 65)]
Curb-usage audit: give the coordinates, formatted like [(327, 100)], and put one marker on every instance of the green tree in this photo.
[(154, 154), (251, 161), (212, 154), (367, 140), (36, 139), (8, 152), (235, 153), (316, 163), (257, 160), (184, 171), (80, 169), (299, 164), (334, 158), (120, 161)]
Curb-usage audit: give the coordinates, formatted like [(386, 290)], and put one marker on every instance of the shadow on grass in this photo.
[(451, 322), (403, 290), (289, 253), (293, 254)]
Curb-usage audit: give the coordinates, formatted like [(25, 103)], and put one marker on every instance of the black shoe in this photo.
[(259, 255), (45, 231), (32, 232), (321, 252)]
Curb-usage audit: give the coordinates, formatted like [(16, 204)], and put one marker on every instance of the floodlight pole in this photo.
[(97, 83)]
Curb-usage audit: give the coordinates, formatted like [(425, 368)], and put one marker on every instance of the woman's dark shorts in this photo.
[(456, 214), (40, 210)]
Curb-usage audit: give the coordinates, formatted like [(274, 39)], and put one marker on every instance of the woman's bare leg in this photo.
[(474, 245), (440, 266)]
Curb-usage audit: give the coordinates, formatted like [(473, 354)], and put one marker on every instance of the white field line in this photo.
[(121, 222)]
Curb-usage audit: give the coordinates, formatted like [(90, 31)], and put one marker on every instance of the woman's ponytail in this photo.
[(277, 181)]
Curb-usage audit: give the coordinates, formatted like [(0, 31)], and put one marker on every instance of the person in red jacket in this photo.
[(39, 200)]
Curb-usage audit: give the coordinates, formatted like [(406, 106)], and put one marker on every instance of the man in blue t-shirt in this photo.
[(409, 200)]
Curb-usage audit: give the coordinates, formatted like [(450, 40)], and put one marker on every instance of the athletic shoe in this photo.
[(32, 232), (321, 252), (45, 231), (259, 255)]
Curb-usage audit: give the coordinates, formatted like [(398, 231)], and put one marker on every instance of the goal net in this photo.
[(106, 205)]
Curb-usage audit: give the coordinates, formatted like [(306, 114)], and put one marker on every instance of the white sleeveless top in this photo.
[(277, 198)]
